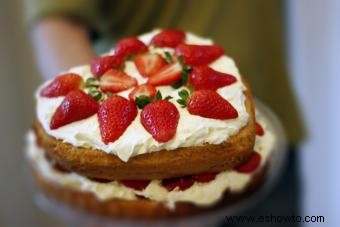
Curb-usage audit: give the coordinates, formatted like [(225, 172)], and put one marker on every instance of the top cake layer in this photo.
[(192, 130)]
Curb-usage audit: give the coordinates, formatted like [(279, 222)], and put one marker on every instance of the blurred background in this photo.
[(311, 181)]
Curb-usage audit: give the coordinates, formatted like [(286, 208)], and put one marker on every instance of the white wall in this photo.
[(314, 35)]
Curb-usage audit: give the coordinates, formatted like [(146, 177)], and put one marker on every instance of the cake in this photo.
[(162, 125)]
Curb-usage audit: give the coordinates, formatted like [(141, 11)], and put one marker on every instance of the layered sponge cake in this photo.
[(163, 123)]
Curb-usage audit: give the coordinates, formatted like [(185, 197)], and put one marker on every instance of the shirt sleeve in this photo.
[(85, 11)]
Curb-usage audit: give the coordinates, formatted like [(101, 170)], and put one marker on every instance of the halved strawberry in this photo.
[(204, 77), (259, 129), (204, 177), (115, 81), (144, 89), (138, 185), (160, 119), (76, 106), (168, 74), (168, 38), (148, 63), (128, 46), (209, 104), (62, 85), (100, 65), (181, 183), (195, 55), (115, 114), (251, 164)]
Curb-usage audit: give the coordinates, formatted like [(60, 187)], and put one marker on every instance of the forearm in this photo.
[(60, 44)]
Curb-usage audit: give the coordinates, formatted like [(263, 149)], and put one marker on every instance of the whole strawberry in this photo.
[(102, 64), (76, 106), (160, 119), (115, 114), (204, 77), (62, 85), (195, 55), (128, 46), (209, 104)]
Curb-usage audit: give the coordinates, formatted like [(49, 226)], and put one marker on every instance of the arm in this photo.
[(60, 44)]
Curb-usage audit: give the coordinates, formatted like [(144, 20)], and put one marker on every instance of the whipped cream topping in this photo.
[(191, 131), (201, 194)]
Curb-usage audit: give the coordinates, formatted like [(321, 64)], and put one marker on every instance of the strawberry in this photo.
[(76, 106), (195, 55), (182, 183), (168, 38), (204, 177), (129, 46), (209, 104), (148, 63), (138, 185), (259, 129), (168, 74), (251, 164), (100, 65), (62, 85), (160, 119), (204, 77), (115, 81), (115, 114), (144, 89)]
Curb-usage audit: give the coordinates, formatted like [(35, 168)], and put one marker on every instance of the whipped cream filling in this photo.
[(201, 194), (191, 131)]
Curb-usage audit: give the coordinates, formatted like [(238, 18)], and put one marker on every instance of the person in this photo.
[(67, 33)]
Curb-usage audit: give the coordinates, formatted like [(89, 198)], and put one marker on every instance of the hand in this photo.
[(60, 44)]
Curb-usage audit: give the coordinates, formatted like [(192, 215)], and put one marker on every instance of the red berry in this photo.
[(168, 74), (199, 54), (138, 185), (182, 183), (144, 89), (129, 46), (148, 64), (209, 104), (160, 119), (76, 106), (115, 81), (62, 85), (251, 164), (102, 64), (168, 38), (259, 129), (115, 114), (204, 77), (204, 177)]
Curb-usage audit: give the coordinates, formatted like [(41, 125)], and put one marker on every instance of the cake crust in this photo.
[(155, 165)]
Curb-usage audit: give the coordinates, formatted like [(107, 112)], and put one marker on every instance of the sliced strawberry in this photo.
[(251, 164), (62, 85), (168, 74), (168, 38), (204, 77), (195, 55), (160, 119), (102, 64), (204, 177), (115, 114), (129, 46), (259, 129), (148, 63), (144, 89), (181, 183), (209, 104), (138, 185), (76, 106), (115, 81)]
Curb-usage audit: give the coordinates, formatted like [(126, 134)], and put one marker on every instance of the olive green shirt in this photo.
[(251, 31)]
